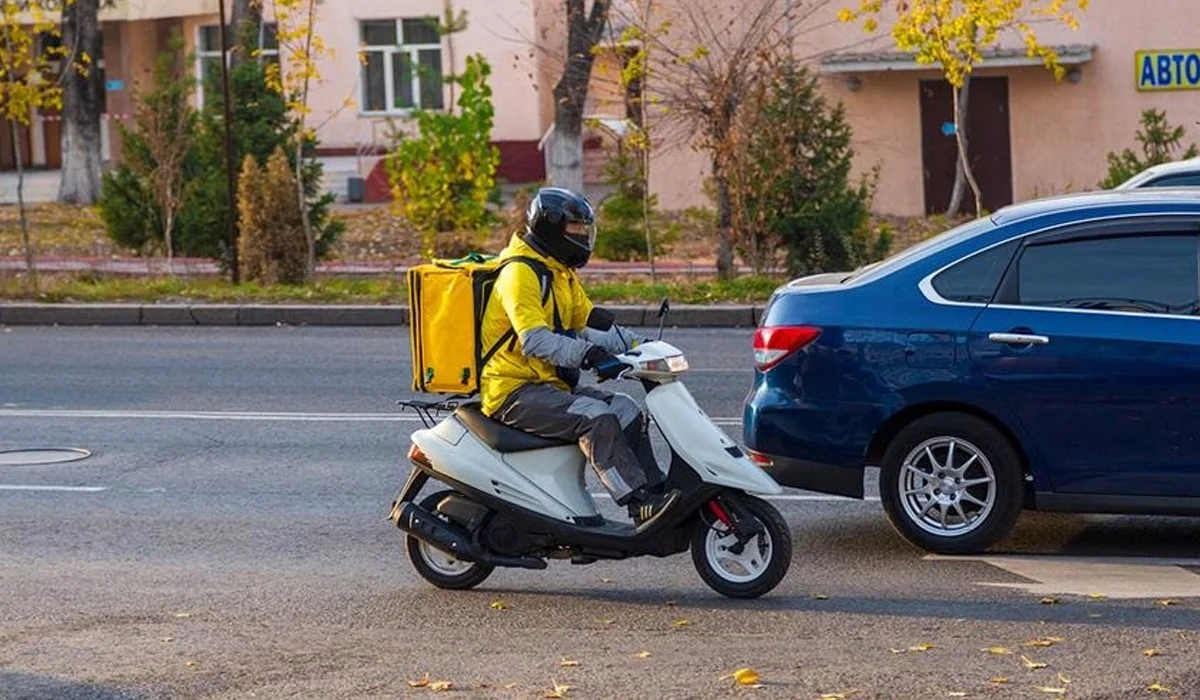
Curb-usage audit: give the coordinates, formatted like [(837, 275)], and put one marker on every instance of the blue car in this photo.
[(1045, 357)]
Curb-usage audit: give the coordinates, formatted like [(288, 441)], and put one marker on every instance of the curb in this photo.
[(320, 315)]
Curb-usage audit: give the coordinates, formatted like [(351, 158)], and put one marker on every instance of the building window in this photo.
[(208, 54), (402, 65)]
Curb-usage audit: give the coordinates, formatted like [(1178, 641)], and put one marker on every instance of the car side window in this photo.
[(1180, 180), (1140, 273), (974, 279)]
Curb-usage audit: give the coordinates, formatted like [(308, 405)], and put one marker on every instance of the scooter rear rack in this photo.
[(428, 410)]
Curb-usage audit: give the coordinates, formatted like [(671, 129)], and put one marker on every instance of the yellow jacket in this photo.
[(515, 303)]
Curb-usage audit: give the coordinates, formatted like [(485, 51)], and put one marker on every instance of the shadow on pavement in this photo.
[(28, 686)]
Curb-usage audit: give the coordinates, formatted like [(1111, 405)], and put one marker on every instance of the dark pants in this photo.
[(609, 428)]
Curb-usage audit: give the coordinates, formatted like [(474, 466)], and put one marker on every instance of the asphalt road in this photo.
[(226, 539)]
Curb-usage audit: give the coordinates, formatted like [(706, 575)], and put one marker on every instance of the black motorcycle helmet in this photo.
[(561, 224)]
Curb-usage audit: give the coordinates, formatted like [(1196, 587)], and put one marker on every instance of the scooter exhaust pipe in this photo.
[(426, 526)]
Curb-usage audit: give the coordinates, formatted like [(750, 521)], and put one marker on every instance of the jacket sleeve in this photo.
[(520, 293), (616, 340)]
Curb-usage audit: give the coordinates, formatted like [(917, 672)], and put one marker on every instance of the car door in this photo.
[(1093, 340)]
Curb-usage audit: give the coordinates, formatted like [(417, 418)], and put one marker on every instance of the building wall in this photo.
[(1060, 131)]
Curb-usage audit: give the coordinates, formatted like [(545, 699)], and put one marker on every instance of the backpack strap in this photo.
[(510, 336)]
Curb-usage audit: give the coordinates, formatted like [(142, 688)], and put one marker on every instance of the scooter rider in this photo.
[(532, 385)]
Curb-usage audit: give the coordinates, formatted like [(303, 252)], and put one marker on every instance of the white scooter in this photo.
[(517, 499)]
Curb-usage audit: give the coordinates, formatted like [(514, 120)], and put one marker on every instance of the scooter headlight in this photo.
[(674, 364)]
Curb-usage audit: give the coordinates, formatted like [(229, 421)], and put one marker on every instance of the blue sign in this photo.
[(1168, 70), (114, 85), (948, 129)]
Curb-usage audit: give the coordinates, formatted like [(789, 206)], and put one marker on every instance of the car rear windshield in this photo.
[(936, 244)]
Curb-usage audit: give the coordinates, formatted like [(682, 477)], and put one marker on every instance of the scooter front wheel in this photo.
[(754, 568), (439, 567)]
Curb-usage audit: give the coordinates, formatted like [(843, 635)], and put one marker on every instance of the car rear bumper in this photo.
[(815, 476)]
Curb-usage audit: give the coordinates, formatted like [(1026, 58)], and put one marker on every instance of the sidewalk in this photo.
[(21, 314), (204, 266)]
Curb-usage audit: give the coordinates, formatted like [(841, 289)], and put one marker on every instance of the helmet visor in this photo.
[(582, 234)]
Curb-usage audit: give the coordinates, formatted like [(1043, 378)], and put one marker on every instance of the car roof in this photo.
[(1134, 200), (1174, 167)]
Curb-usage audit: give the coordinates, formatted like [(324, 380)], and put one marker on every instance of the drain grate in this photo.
[(36, 456)]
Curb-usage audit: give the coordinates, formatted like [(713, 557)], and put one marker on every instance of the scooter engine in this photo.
[(503, 537)]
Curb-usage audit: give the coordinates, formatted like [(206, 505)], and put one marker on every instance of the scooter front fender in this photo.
[(704, 446)]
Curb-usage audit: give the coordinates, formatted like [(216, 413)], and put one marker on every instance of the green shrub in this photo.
[(443, 179), (790, 182), (1159, 142)]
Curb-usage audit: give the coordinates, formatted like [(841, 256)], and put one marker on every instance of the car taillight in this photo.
[(773, 343)]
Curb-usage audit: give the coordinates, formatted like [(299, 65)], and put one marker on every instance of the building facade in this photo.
[(1030, 135)]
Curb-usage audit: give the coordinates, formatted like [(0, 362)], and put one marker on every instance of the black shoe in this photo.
[(653, 506)]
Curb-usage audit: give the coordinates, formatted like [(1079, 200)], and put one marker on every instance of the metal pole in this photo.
[(230, 166)]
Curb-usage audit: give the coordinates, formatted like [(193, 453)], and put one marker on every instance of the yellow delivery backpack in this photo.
[(446, 301)]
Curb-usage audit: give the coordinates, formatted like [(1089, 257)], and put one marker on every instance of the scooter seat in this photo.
[(499, 436)]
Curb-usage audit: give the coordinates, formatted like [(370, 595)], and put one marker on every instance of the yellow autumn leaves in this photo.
[(955, 35)]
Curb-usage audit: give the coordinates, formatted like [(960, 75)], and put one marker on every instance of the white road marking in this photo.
[(791, 497), (239, 416), (1111, 577), (76, 489)]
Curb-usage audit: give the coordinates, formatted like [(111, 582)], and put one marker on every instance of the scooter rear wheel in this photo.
[(439, 567), (758, 568)]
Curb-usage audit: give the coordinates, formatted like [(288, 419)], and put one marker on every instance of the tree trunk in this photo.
[(565, 167), (167, 228), (725, 268), (30, 263), (246, 20), (82, 98), (962, 169)]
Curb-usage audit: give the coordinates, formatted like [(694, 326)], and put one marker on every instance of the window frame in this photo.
[(1016, 248), (264, 54), (1155, 182), (388, 53), (1008, 293)]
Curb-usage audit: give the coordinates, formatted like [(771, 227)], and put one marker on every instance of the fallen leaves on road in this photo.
[(559, 690), (167, 640), (998, 680), (1151, 652), (820, 596), (1045, 642), (606, 620), (567, 663), (896, 651), (923, 646), (681, 623), (499, 605), (183, 614), (1097, 596), (745, 676), (1166, 602), (606, 580), (999, 651), (1031, 664), (643, 654), (1157, 687), (1049, 600), (1053, 691), (956, 694), (420, 682), (837, 696), (192, 664), (441, 686)]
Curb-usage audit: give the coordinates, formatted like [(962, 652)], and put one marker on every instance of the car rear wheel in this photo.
[(952, 484)]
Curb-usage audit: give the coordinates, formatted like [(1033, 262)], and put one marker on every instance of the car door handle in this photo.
[(1018, 338)]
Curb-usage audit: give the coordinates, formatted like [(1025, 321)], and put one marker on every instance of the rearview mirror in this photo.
[(601, 319), (663, 310)]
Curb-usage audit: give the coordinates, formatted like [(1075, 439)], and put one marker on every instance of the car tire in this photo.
[(951, 483)]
